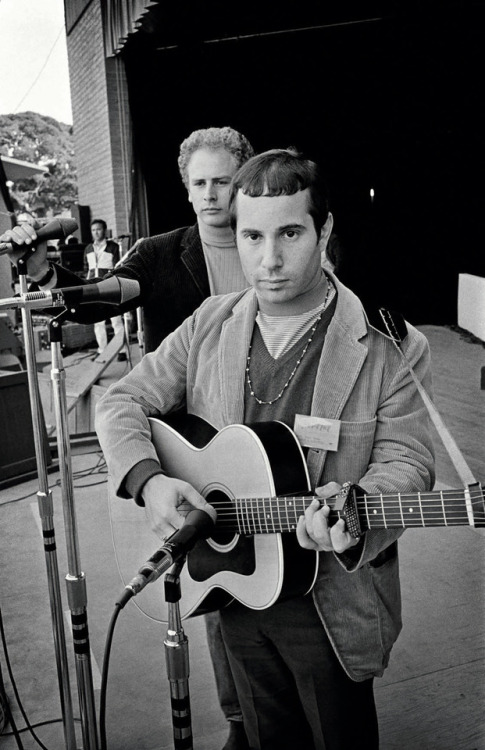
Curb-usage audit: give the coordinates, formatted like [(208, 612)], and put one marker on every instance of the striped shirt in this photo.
[(281, 332)]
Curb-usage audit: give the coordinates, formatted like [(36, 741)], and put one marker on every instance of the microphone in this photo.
[(115, 290), (197, 525), (57, 229)]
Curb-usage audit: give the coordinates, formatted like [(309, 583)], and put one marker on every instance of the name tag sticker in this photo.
[(317, 432)]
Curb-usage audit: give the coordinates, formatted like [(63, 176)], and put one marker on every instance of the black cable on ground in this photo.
[(104, 677), (6, 704), (98, 468), (17, 697), (7, 717)]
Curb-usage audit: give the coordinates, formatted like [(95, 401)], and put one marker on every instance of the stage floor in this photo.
[(431, 697)]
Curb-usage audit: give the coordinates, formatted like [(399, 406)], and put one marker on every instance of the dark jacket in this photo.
[(172, 274)]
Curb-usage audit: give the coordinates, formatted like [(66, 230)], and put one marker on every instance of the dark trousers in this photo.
[(293, 691), (226, 689)]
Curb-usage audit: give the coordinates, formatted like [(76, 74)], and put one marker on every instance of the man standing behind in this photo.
[(176, 271), (100, 257)]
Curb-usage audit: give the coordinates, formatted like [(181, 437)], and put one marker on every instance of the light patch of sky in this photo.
[(34, 74)]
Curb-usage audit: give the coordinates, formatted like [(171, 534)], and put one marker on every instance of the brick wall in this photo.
[(102, 131), (5, 265)]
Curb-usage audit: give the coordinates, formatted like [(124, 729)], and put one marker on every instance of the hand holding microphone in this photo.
[(23, 238)]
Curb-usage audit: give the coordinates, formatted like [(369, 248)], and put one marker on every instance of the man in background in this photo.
[(100, 257)]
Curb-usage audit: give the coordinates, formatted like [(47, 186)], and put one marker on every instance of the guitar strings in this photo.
[(434, 494), (242, 512), (362, 500)]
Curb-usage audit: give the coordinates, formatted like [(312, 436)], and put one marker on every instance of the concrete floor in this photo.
[(431, 697)]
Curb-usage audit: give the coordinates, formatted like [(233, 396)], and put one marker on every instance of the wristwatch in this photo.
[(46, 277)]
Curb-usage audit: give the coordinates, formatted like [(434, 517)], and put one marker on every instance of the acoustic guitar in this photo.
[(257, 480)]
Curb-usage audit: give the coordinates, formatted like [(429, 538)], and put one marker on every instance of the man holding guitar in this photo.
[(298, 350)]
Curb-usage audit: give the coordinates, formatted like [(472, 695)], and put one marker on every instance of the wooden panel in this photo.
[(81, 375), (432, 694), (434, 711)]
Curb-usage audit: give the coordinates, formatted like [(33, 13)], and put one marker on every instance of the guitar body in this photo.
[(262, 460)]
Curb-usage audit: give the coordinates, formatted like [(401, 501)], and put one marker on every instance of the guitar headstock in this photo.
[(345, 504)]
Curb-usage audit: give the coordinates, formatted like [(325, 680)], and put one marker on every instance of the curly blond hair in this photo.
[(213, 138)]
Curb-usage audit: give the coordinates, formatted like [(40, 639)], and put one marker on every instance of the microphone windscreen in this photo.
[(68, 226), (129, 289), (57, 229)]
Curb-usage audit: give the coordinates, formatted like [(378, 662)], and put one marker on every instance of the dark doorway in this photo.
[(386, 102)]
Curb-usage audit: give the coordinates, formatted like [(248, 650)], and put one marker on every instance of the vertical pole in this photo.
[(46, 512), (140, 334), (126, 325), (75, 580)]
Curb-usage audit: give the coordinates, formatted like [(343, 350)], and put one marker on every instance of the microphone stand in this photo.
[(126, 325), (177, 660), (46, 512), (139, 314), (140, 331), (75, 579)]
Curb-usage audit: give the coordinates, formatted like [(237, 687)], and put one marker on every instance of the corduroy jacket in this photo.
[(385, 442)]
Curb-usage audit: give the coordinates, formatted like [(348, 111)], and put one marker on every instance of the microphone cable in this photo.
[(97, 469), (104, 676), (28, 726), (7, 716)]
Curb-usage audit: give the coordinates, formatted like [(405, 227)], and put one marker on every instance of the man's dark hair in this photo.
[(100, 221), (281, 172)]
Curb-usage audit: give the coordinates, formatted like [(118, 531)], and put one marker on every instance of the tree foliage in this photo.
[(41, 140)]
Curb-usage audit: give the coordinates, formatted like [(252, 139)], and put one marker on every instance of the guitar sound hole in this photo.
[(226, 515)]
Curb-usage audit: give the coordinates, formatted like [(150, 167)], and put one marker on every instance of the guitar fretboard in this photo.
[(268, 515), (442, 508)]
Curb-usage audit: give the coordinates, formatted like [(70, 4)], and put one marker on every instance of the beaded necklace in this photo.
[(298, 361)]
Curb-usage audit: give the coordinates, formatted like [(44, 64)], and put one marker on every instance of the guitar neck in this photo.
[(462, 507), (361, 511)]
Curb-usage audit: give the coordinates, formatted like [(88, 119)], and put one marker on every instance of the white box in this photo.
[(471, 304)]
